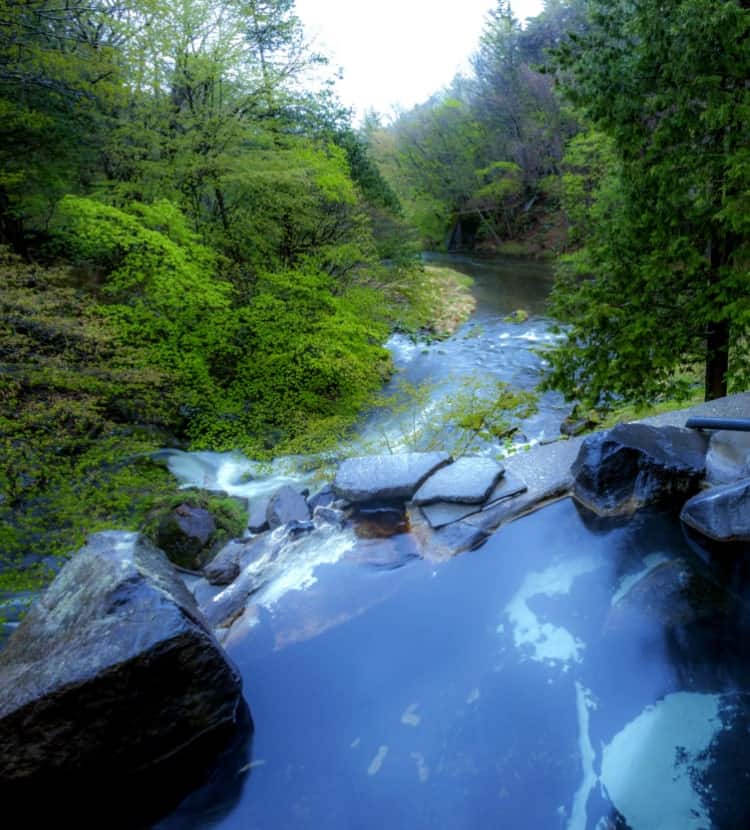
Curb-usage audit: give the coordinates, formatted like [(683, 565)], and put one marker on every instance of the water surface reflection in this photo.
[(570, 674)]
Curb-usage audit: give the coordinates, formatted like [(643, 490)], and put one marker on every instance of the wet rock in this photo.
[(112, 674), (470, 480), (225, 567), (444, 513), (295, 529), (286, 505), (185, 533), (447, 542), (225, 607), (323, 498), (635, 465), (386, 477), (721, 513), (728, 457), (380, 523), (329, 516), (204, 591), (258, 521), (256, 568)]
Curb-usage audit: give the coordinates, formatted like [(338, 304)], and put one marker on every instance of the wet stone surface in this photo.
[(386, 477), (444, 513), (635, 465), (721, 513), (469, 480)]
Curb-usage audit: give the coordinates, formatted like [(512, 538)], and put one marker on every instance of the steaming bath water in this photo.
[(542, 681)]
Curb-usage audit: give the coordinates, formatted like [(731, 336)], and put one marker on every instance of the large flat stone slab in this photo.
[(445, 513), (112, 672), (721, 513), (386, 477), (470, 480)]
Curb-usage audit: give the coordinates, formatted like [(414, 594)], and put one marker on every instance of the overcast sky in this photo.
[(398, 52)]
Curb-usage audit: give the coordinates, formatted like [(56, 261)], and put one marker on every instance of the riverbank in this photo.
[(80, 414)]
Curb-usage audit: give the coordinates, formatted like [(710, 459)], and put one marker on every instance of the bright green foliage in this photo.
[(77, 410), (253, 367), (304, 359), (462, 421), (659, 201)]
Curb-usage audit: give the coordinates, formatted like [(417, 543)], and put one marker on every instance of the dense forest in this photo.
[(196, 248), (614, 133), (199, 248)]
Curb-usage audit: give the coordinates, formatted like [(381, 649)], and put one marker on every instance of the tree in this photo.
[(660, 285)]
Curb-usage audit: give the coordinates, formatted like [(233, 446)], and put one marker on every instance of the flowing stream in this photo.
[(573, 673)]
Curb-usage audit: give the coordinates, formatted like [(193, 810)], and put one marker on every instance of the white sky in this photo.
[(396, 53)]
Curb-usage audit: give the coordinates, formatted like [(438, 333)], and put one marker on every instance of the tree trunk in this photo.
[(717, 360), (717, 336)]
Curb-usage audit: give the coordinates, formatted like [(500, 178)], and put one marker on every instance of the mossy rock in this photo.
[(520, 315), (192, 526)]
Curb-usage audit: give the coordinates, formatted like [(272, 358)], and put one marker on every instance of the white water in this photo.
[(650, 768)]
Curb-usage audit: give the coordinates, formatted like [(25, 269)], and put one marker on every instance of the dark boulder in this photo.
[(287, 505), (226, 566), (111, 679), (186, 531), (636, 465), (192, 528), (721, 513)]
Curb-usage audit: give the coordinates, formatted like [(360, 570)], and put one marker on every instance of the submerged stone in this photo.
[(721, 513), (674, 593), (386, 477), (446, 542), (469, 480), (112, 673), (636, 465)]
